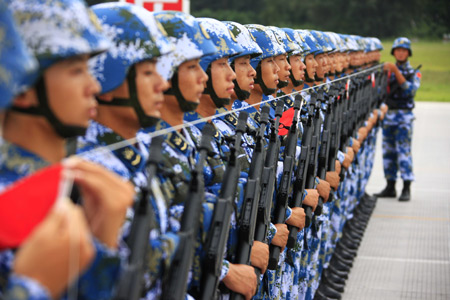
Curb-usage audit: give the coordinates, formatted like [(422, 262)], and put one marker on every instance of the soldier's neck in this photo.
[(171, 112), (35, 135), (206, 108), (255, 97), (122, 120), (288, 89)]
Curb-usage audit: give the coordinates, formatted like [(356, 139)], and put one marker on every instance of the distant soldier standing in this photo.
[(397, 126)]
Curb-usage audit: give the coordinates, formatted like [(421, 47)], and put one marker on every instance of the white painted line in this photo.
[(392, 259)]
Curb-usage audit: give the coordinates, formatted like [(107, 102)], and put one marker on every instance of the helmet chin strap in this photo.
[(209, 90), (258, 79), (185, 105), (133, 101), (294, 81), (307, 78), (317, 78), (43, 109), (282, 84)]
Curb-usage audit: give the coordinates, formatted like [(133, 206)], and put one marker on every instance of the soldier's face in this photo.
[(222, 78), (321, 65), (298, 67), (70, 91), (332, 62), (245, 74), (401, 54), (311, 65), (285, 67), (191, 80), (150, 87), (269, 72)]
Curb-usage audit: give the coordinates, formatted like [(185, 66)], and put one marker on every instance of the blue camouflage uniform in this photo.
[(398, 126), (96, 283), (129, 163)]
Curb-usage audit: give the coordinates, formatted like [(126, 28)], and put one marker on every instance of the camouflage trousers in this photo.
[(397, 151)]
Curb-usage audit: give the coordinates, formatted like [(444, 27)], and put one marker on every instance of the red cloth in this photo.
[(26, 203), (286, 120)]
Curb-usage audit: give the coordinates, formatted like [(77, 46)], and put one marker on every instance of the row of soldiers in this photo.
[(209, 158)]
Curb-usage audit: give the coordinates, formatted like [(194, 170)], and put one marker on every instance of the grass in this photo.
[(435, 60)]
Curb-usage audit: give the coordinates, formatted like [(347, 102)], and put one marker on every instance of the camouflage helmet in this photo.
[(266, 39), (311, 42), (226, 45), (401, 42), (55, 30), (136, 37), (378, 44), (191, 41), (189, 37), (58, 29), (16, 61), (290, 44), (223, 39), (306, 49), (245, 39), (323, 41), (250, 48)]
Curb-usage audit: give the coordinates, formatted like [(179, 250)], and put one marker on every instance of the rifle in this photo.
[(396, 86), (300, 179), (281, 204), (131, 282), (175, 284), (252, 195), (218, 233), (268, 177)]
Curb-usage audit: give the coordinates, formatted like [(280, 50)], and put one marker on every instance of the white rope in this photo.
[(134, 140)]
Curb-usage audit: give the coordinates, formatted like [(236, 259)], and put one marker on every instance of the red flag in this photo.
[(26, 203), (286, 120)]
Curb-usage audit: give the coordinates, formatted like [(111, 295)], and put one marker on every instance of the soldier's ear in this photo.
[(26, 99), (106, 96)]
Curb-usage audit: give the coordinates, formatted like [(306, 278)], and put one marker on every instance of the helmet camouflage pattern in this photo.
[(402, 42), (58, 29), (136, 37), (223, 39), (266, 39), (290, 44), (245, 39), (16, 62), (189, 37)]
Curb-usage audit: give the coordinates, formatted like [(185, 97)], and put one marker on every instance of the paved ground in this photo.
[(405, 253)]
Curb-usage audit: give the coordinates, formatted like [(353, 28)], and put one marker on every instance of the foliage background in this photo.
[(428, 19)]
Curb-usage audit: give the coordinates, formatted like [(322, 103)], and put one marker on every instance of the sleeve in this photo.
[(21, 287), (163, 248), (225, 269), (271, 233), (99, 280), (288, 213), (340, 156), (411, 86)]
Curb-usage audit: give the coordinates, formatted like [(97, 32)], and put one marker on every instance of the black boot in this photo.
[(389, 190), (406, 194)]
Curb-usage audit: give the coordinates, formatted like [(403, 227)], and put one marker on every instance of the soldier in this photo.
[(132, 92), (397, 125), (186, 80), (36, 126), (33, 275)]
